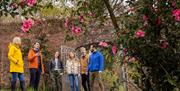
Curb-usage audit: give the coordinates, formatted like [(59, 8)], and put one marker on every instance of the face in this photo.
[(37, 45), (83, 51), (92, 49), (19, 43), (71, 55), (56, 55)]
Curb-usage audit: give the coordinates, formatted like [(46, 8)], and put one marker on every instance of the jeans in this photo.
[(85, 82), (16, 75), (35, 75), (74, 82)]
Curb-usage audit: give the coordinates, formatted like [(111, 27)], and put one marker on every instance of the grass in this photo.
[(16, 90)]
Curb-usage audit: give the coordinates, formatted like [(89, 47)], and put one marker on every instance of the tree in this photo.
[(151, 35)]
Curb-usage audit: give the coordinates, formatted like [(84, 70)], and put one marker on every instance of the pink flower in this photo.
[(145, 18), (131, 9), (176, 14), (125, 50), (131, 59), (81, 18), (22, 3), (165, 44), (31, 2), (114, 49), (103, 44), (76, 30), (92, 14), (66, 24), (139, 34), (27, 24), (173, 4), (14, 5)]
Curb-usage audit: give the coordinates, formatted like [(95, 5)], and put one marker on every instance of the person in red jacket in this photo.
[(36, 66)]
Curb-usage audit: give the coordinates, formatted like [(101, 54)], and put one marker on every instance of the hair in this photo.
[(83, 48), (58, 55), (73, 53), (16, 40), (94, 45), (35, 43)]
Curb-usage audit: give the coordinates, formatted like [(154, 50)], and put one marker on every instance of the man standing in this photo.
[(96, 66), (56, 68), (84, 66)]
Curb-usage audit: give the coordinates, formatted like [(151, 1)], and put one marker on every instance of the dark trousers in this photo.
[(56, 79), (35, 75), (85, 82)]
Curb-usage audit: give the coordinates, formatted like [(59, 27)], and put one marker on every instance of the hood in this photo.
[(12, 45)]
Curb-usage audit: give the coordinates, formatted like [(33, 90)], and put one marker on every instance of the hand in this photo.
[(79, 75), (17, 61), (100, 71), (37, 54), (86, 73), (61, 73)]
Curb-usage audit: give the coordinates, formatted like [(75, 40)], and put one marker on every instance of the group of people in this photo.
[(89, 67)]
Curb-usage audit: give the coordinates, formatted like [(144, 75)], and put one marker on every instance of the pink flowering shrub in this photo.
[(114, 49), (27, 24), (176, 14), (139, 34), (31, 3), (103, 44)]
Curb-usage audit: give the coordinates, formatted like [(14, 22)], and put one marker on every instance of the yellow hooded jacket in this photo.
[(15, 58)]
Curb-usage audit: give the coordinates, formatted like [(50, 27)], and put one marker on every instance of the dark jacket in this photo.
[(52, 64)]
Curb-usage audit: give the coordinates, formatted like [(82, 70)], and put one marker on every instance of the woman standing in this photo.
[(73, 71), (56, 73), (36, 66), (84, 66), (16, 64)]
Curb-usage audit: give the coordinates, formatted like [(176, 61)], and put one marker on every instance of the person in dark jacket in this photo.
[(56, 68), (96, 67)]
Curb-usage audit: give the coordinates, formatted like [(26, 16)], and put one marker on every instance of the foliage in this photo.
[(18, 7), (26, 46), (158, 51), (150, 33), (111, 79)]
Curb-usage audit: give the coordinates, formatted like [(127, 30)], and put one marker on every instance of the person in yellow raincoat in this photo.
[(16, 63)]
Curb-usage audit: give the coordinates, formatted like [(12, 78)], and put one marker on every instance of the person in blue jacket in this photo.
[(96, 66)]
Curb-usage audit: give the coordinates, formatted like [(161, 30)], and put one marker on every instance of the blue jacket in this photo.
[(96, 62)]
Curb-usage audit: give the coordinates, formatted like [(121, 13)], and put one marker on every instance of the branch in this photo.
[(113, 18)]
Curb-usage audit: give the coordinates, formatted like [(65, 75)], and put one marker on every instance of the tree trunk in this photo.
[(113, 18)]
